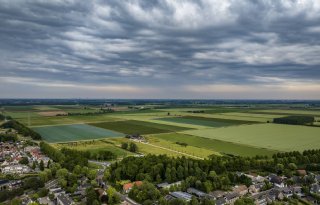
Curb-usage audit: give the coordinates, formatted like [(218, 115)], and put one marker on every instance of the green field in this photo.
[(268, 136), (216, 145), (65, 133), (205, 121), (138, 127), (96, 146)]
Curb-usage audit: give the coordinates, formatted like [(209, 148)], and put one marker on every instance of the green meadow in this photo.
[(268, 136)]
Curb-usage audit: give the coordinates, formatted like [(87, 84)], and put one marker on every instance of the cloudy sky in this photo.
[(226, 49)]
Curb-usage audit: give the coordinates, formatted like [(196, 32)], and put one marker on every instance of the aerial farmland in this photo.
[(189, 130)]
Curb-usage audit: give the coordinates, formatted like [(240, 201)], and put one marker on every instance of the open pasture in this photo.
[(141, 127), (268, 136), (95, 146), (75, 132), (190, 149), (215, 145), (205, 121)]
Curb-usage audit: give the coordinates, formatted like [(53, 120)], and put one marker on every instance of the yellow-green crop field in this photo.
[(269, 136)]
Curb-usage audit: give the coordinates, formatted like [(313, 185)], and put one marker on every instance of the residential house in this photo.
[(45, 201), (256, 188), (63, 199), (274, 194), (166, 185), (221, 201), (198, 193), (241, 190), (231, 197), (217, 194), (4, 184), (287, 192), (255, 178), (56, 191), (181, 195), (297, 190), (16, 169), (277, 181), (127, 187), (315, 188)]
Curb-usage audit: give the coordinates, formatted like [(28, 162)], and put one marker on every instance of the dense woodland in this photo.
[(294, 120), (21, 129), (211, 174), (69, 158), (7, 138)]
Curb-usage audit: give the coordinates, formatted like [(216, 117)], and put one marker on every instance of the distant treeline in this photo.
[(21, 129), (294, 120), (196, 111), (101, 112)]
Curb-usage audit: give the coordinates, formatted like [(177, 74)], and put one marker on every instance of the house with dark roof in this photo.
[(277, 181), (297, 190), (287, 192), (217, 194), (166, 185), (198, 193), (315, 188), (181, 195), (231, 197), (221, 201), (4, 184), (63, 199)]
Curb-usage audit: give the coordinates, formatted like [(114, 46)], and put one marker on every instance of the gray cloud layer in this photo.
[(153, 48)]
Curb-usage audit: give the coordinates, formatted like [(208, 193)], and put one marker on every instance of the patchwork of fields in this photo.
[(205, 130)]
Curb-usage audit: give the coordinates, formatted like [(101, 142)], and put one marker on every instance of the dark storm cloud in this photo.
[(159, 43)]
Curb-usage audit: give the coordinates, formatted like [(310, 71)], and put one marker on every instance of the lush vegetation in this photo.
[(294, 120), (206, 175), (23, 130), (7, 137)]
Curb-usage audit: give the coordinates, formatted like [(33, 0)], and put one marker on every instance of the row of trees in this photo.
[(21, 129), (68, 158), (294, 120)]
